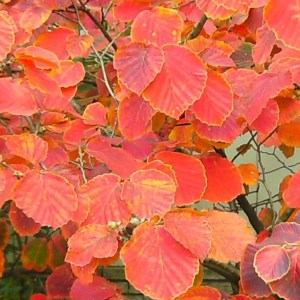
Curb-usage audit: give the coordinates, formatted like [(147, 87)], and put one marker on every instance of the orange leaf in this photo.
[(216, 102), (34, 17), (135, 59), (201, 293), (90, 241), (283, 23), (190, 175), (228, 245), (46, 197), (28, 146), (105, 203), (224, 180), (180, 65), (250, 174), (4, 234), (15, 98), (79, 45), (158, 26), (7, 34), (95, 114), (48, 40), (149, 192), (34, 255), (22, 224), (197, 238), (42, 58), (289, 133), (171, 268), (135, 115)]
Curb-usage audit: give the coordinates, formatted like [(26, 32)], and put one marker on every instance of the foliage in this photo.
[(115, 117)]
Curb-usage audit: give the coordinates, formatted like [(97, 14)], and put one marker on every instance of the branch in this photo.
[(245, 205), (196, 31), (228, 271), (100, 26), (249, 211)]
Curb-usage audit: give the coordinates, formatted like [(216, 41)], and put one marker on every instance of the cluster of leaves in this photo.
[(114, 120)]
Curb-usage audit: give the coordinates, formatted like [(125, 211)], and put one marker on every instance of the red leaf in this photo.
[(105, 203), (7, 33), (226, 133), (99, 288), (169, 267), (126, 10), (117, 159), (135, 59), (95, 114), (59, 283), (48, 40), (283, 23), (224, 180), (228, 245), (158, 26), (91, 241), (190, 175), (287, 59), (34, 255), (201, 293), (268, 119), (180, 65), (288, 286), (291, 194), (85, 273), (217, 58), (22, 224), (236, 5), (271, 263), (12, 90), (265, 41), (216, 102), (39, 296), (251, 283), (197, 238), (135, 116), (46, 197), (266, 86), (57, 249), (149, 192), (213, 11), (28, 146), (11, 178), (70, 73)]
